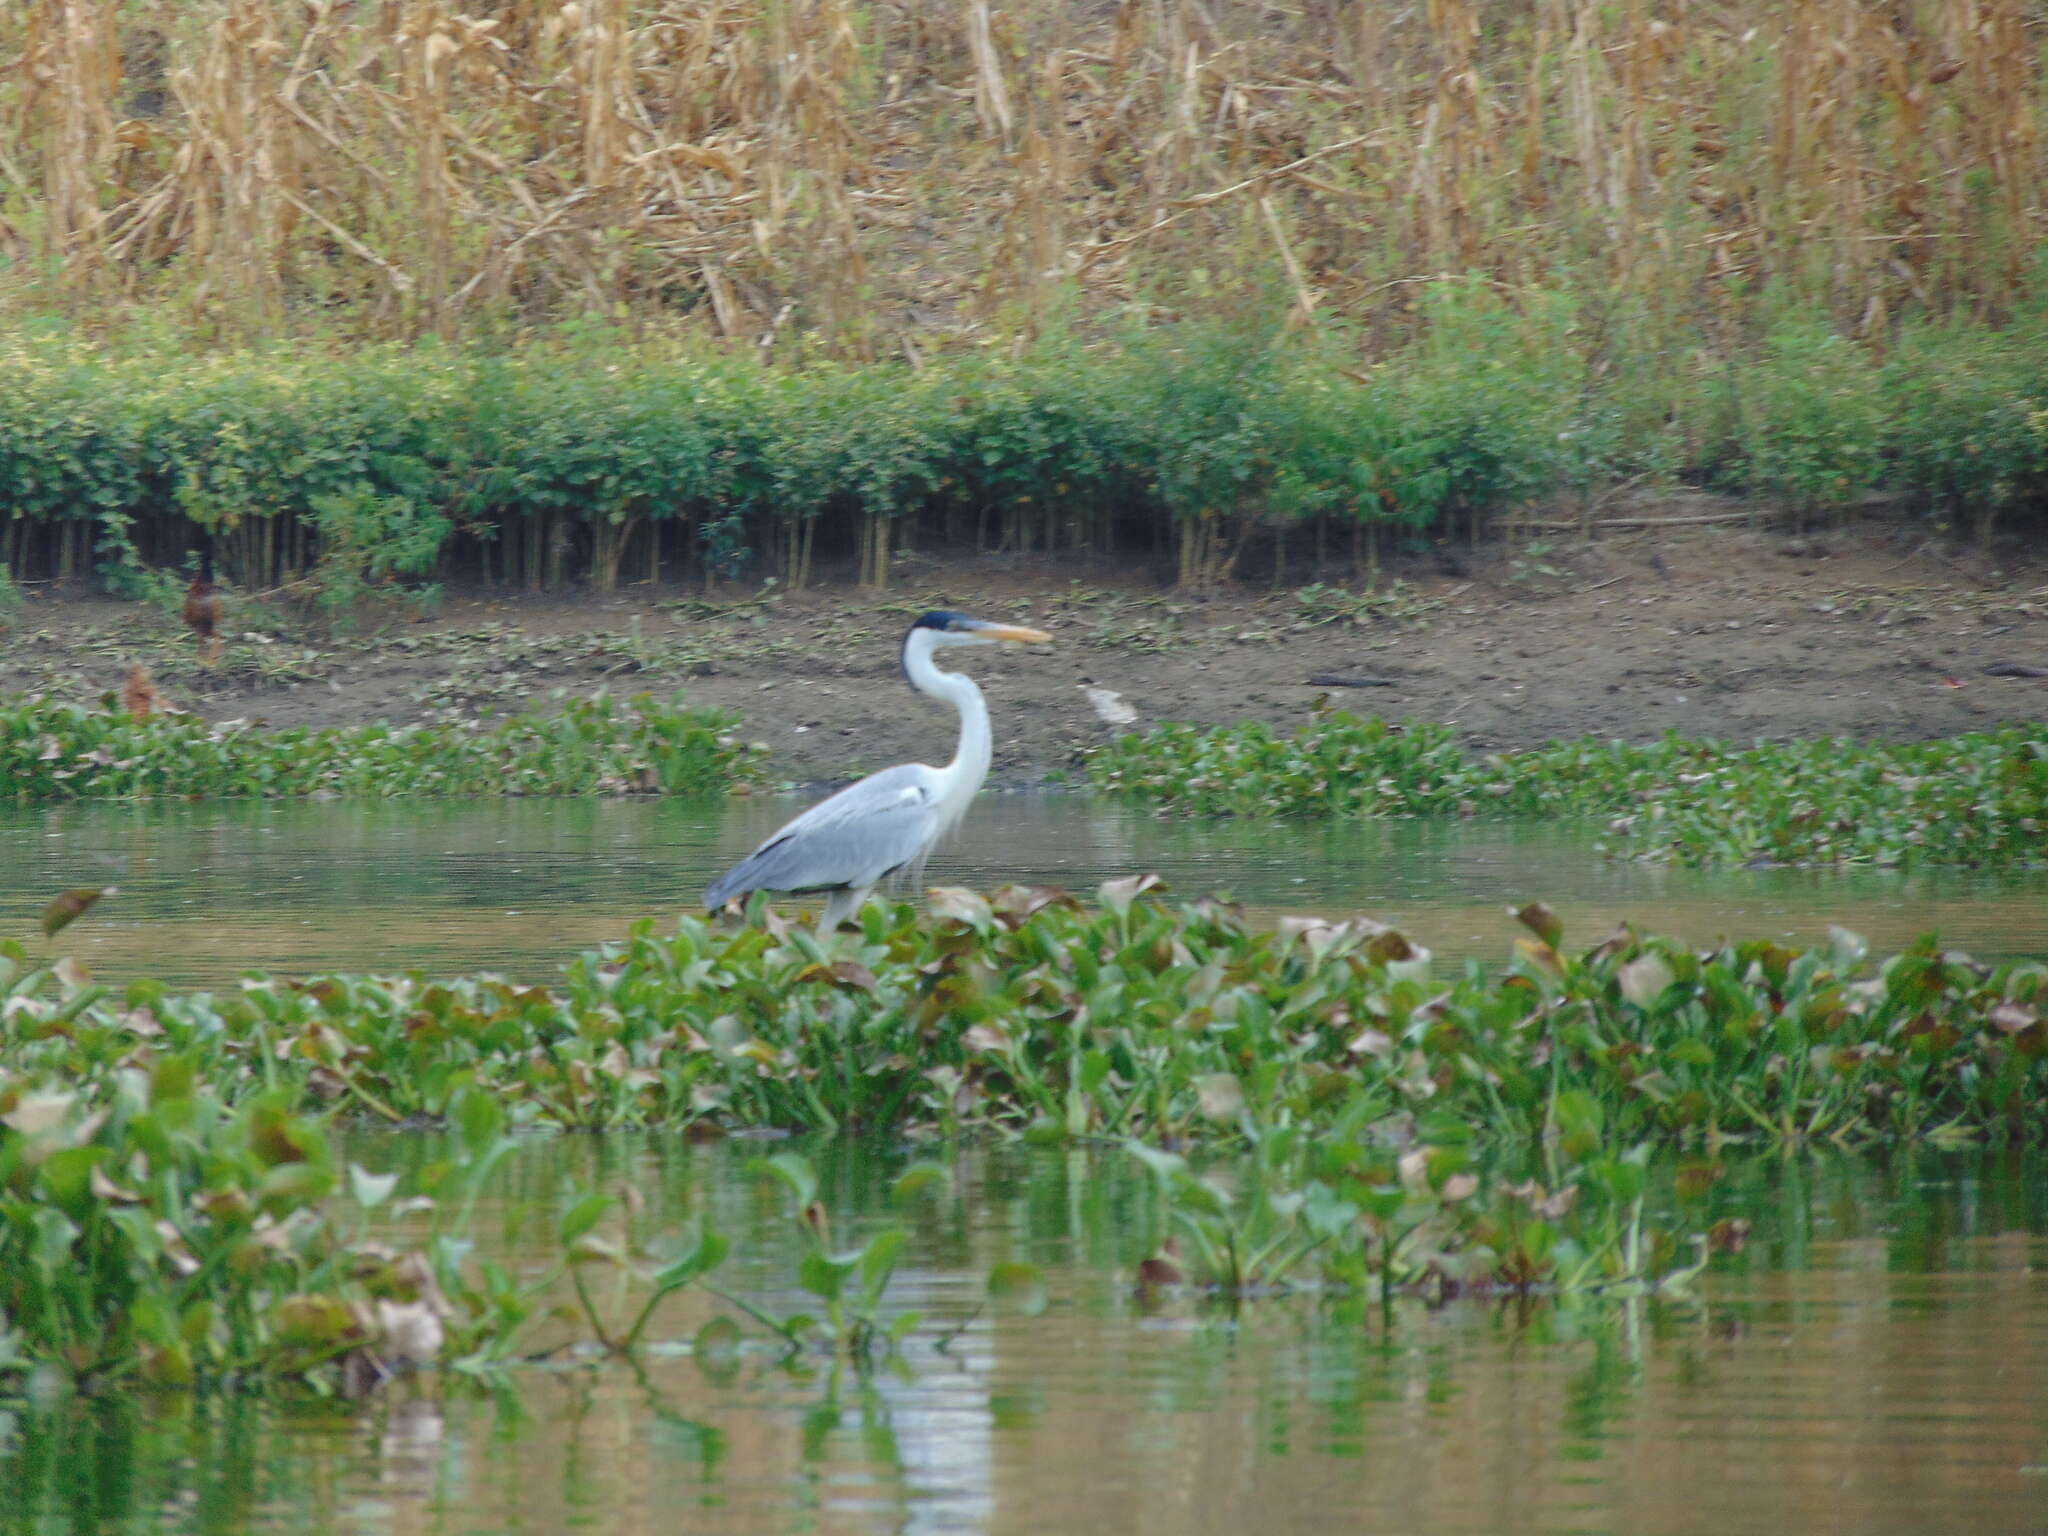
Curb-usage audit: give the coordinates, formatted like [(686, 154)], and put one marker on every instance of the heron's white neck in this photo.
[(963, 776)]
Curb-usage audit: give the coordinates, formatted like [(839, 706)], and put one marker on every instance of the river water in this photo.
[(208, 890), (1876, 1361)]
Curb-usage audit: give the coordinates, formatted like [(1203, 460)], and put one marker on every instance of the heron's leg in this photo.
[(841, 905)]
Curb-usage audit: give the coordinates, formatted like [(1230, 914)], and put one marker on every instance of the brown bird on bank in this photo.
[(139, 695), (202, 613)]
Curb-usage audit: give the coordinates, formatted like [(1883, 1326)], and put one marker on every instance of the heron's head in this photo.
[(939, 629)]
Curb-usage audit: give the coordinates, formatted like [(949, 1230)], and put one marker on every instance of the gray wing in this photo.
[(852, 839)]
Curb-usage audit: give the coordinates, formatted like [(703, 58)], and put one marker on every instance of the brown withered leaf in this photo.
[(104, 1188), (814, 1218), (67, 907), (1220, 1096), (853, 975), (1542, 954), (1645, 979), (1728, 1235), (2012, 1018), (1017, 903), (1390, 947), (1541, 921), (960, 904), (1117, 895), (361, 1374), (1372, 1042), (1159, 1271), (1694, 1179), (985, 1037)]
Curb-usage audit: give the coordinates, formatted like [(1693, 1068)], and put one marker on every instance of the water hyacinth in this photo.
[(1975, 799), (600, 745), (1027, 1013), (172, 1209), (149, 1230)]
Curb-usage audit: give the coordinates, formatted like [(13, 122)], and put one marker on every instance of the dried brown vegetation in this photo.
[(888, 177)]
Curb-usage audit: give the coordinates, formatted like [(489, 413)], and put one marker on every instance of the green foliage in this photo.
[(366, 540), (1976, 437), (1418, 1213), (849, 1283), (1973, 799), (1811, 419), (1030, 1014), (53, 751), (350, 472), (172, 1210), (150, 1232)]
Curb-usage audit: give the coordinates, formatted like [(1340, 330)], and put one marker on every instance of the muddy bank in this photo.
[(1875, 631)]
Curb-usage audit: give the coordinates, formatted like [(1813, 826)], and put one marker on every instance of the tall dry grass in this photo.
[(885, 178)]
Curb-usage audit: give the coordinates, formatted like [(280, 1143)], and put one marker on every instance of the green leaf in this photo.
[(1018, 1286), (795, 1172), (824, 1276), (479, 1120), (916, 1177), (703, 1256), (54, 1234), (1578, 1118), (716, 1348), (1383, 1202), (583, 1215), (878, 1259), (1164, 1164), (1440, 1128)]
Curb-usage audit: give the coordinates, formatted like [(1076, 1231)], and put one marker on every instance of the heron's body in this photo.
[(890, 821)]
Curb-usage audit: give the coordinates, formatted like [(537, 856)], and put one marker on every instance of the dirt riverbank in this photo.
[(1873, 631)]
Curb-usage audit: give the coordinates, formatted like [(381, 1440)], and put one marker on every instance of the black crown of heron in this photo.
[(889, 822)]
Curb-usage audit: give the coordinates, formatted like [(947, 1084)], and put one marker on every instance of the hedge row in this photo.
[(552, 461)]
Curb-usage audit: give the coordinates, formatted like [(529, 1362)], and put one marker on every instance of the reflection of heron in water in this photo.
[(889, 821)]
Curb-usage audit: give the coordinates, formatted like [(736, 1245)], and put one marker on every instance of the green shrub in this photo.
[(1972, 438), (553, 459), (1810, 419)]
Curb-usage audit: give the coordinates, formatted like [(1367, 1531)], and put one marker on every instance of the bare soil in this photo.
[(1870, 631)]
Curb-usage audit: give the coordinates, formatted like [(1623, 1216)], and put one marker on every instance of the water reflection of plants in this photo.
[(1346, 1212)]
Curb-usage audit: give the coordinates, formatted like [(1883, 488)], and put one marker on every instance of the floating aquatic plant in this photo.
[(600, 745), (1028, 1013), (1973, 799)]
